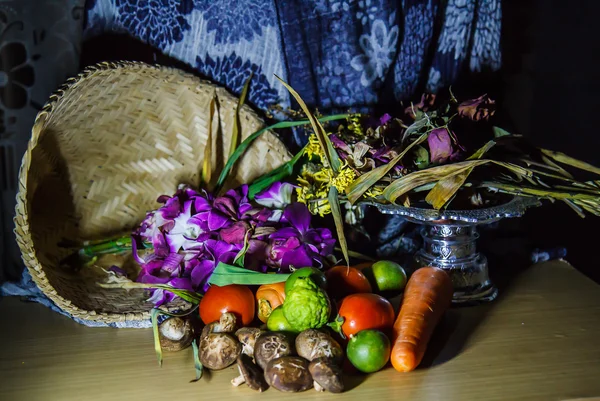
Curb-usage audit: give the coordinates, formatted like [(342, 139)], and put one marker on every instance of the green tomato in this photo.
[(369, 350), (306, 305), (278, 322), (314, 274)]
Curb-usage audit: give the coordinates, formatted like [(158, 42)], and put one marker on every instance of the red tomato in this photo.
[(366, 311), (237, 299), (344, 280)]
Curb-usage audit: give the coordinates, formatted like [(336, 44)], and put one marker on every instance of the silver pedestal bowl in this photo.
[(449, 242)]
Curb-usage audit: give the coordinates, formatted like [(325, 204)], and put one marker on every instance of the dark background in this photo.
[(548, 91)]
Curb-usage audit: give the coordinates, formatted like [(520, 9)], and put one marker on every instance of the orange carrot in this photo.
[(427, 296)]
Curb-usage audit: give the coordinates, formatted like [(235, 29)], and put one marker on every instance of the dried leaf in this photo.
[(556, 167), (235, 135), (570, 161), (336, 211), (331, 156), (207, 163), (446, 188), (366, 181), (157, 348)]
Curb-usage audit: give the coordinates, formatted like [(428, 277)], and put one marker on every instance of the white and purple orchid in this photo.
[(192, 232)]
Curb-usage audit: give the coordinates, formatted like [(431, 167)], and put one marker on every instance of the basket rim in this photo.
[(21, 219)]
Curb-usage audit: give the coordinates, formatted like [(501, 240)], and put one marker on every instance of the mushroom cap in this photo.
[(253, 375), (327, 374), (219, 350), (175, 334), (312, 344), (247, 336), (289, 374), (271, 345), (226, 324)]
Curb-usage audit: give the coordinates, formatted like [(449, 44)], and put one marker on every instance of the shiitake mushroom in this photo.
[(247, 336), (175, 333), (312, 344), (219, 350), (271, 345), (327, 375), (250, 374), (289, 374)]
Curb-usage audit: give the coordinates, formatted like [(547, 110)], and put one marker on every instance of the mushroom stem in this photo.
[(317, 386), (238, 381)]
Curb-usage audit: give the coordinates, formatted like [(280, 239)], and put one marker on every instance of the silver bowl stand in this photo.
[(449, 242)]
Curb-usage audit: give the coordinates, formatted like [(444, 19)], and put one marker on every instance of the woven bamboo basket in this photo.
[(102, 150)]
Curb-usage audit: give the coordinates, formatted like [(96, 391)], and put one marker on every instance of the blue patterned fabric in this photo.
[(338, 54)]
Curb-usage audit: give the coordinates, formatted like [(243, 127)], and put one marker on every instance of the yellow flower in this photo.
[(354, 124), (320, 207), (344, 178), (313, 188), (313, 148), (374, 192)]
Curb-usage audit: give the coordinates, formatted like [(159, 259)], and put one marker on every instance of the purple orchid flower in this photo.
[(341, 145), (440, 145), (384, 119), (277, 197), (299, 245), (162, 296), (214, 252), (229, 208)]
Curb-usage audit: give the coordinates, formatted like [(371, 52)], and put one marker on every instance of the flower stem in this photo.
[(102, 247)]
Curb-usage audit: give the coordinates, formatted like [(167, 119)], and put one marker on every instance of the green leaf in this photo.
[(248, 141), (331, 156), (499, 132), (207, 162), (157, 348), (281, 172), (239, 258), (421, 157), (191, 297), (415, 127), (225, 274), (197, 363), (235, 134), (336, 212), (366, 181)]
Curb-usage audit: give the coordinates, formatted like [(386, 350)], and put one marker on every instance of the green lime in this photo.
[(386, 276), (316, 275), (278, 322), (369, 350)]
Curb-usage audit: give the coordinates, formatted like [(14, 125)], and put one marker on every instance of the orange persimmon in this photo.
[(269, 297)]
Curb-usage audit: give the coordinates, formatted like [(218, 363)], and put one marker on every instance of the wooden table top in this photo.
[(539, 341)]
